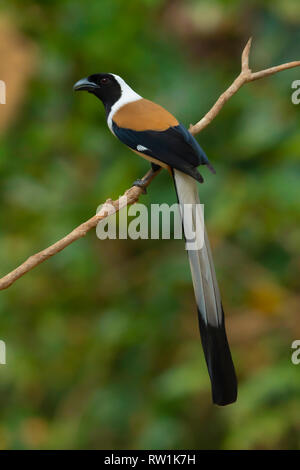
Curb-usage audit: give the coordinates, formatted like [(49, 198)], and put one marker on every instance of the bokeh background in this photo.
[(103, 348)]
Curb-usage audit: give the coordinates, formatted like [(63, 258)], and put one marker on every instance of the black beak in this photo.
[(84, 84)]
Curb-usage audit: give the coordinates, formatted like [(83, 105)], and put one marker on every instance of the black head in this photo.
[(104, 85)]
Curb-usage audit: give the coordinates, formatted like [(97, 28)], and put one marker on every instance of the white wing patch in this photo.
[(141, 148)]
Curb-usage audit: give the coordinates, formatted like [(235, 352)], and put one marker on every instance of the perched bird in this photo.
[(155, 134)]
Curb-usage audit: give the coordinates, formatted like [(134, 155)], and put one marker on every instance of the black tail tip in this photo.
[(219, 362), (224, 399), (224, 385)]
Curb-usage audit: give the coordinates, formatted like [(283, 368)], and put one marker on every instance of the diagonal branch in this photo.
[(132, 195), (110, 207)]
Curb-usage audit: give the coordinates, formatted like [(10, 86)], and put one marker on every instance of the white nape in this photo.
[(127, 96)]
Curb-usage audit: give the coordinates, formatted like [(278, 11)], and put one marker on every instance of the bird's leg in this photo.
[(143, 183)]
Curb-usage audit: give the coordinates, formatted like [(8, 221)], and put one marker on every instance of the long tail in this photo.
[(210, 310)]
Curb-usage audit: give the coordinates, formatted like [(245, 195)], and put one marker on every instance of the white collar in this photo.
[(127, 96)]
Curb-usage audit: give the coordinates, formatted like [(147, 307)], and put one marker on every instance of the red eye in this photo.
[(104, 81)]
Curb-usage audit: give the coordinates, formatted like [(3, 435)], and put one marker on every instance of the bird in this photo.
[(155, 134)]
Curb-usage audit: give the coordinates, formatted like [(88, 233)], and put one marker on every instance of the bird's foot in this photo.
[(140, 184)]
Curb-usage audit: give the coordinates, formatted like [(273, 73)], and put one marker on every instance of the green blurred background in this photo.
[(103, 348)]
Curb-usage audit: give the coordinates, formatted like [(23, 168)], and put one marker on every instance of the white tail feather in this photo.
[(210, 313), (202, 268)]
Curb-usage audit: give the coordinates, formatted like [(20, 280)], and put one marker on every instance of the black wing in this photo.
[(175, 147)]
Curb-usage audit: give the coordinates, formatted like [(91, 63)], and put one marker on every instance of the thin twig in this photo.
[(132, 195), (245, 76)]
